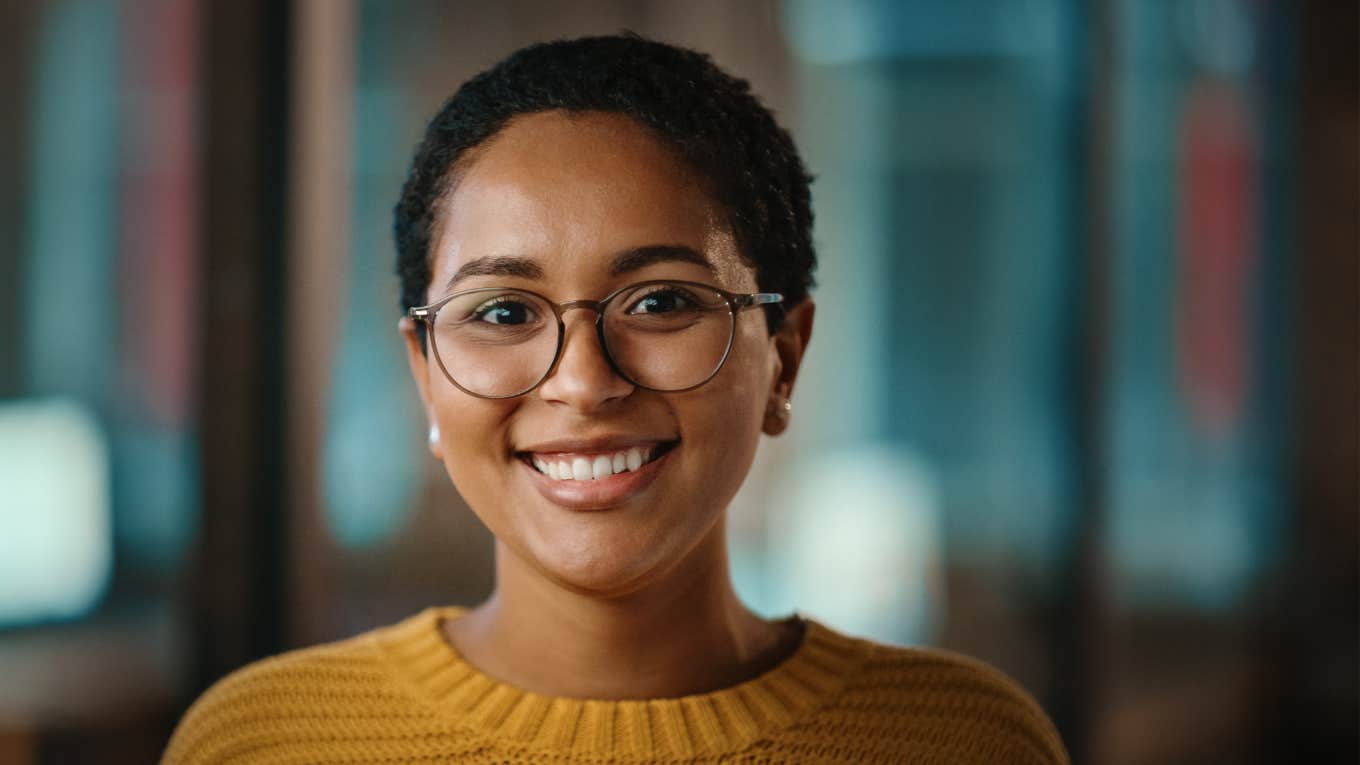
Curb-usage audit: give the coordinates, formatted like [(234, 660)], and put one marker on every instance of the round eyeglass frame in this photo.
[(736, 303)]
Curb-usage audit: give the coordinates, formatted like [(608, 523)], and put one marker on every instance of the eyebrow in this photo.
[(496, 265), (631, 259)]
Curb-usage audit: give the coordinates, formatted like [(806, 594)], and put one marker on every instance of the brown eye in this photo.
[(664, 300), (504, 310)]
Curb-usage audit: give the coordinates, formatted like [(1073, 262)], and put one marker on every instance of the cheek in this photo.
[(749, 369), (473, 439), (726, 421)]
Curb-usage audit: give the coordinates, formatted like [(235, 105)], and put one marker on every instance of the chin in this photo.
[(597, 569)]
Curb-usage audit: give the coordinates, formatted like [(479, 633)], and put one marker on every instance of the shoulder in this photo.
[(963, 708), (266, 704)]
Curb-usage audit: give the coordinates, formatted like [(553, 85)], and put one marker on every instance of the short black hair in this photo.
[(719, 127)]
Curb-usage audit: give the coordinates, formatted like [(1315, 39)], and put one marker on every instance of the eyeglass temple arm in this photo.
[(425, 312), (758, 298)]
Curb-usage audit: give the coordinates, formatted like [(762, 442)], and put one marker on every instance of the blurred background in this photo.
[(1081, 399)]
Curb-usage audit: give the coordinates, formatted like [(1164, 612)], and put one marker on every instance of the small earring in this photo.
[(781, 410), (434, 435)]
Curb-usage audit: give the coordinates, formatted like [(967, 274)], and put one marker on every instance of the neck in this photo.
[(685, 633)]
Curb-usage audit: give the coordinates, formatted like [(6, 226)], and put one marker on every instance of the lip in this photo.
[(600, 493)]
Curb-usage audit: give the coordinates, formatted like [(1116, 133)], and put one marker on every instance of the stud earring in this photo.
[(434, 435), (781, 410)]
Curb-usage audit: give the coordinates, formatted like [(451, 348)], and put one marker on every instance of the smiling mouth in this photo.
[(586, 467)]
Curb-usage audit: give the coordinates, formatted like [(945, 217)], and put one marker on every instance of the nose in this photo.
[(583, 379)]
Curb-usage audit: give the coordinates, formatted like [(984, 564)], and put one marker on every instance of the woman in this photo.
[(605, 255)]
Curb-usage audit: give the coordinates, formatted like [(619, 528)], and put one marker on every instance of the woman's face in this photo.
[(556, 199)]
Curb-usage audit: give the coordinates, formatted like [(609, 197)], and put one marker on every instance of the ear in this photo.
[(419, 364), (790, 342)]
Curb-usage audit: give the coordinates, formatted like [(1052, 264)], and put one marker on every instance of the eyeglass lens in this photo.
[(664, 336)]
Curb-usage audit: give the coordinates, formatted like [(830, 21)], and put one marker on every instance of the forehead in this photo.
[(571, 190)]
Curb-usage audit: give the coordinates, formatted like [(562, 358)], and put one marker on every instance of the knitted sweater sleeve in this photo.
[(293, 707), (944, 707)]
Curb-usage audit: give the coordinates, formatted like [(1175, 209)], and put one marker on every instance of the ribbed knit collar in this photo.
[(701, 724)]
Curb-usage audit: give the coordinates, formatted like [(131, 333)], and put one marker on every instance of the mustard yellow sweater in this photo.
[(402, 694)]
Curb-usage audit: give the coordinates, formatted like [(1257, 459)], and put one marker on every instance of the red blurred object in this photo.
[(158, 206), (1216, 254)]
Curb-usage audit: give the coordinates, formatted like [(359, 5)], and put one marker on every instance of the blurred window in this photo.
[(100, 474)]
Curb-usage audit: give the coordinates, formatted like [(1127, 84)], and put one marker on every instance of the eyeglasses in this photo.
[(662, 335)]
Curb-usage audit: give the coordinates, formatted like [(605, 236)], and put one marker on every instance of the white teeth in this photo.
[(602, 467), (580, 469), (593, 468)]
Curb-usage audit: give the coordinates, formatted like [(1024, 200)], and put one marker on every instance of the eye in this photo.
[(663, 300), (505, 309)]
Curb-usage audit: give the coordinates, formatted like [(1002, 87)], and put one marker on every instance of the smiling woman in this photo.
[(583, 232)]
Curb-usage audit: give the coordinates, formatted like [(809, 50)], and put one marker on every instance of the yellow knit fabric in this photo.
[(403, 694)]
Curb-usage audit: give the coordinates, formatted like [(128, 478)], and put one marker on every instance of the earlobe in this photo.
[(418, 363), (790, 342), (777, 415)]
